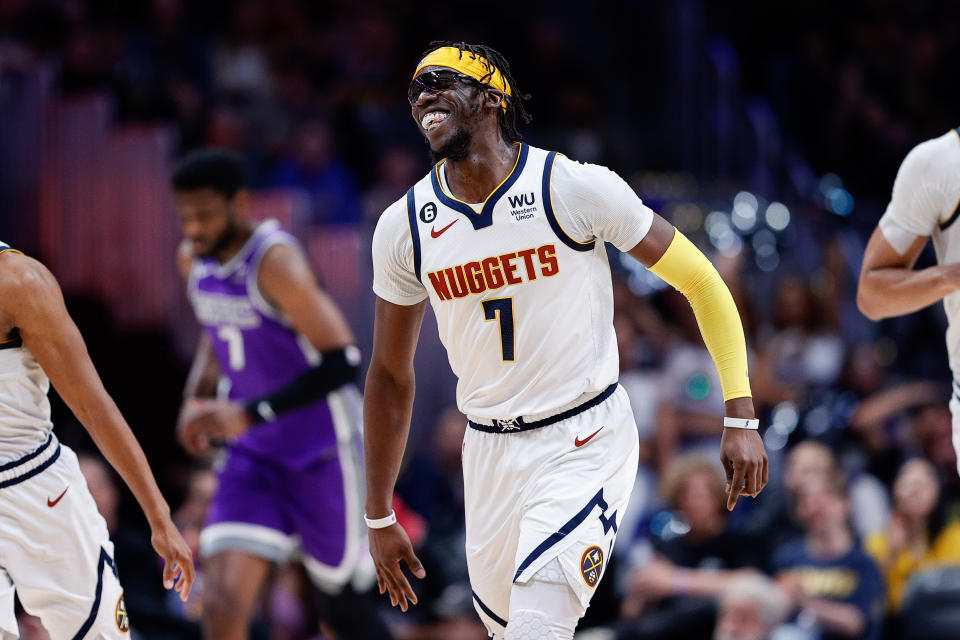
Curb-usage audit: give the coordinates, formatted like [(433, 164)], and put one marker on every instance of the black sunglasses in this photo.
[(435, 81)]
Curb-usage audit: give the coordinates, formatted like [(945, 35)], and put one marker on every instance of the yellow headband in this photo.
[(469, 64)]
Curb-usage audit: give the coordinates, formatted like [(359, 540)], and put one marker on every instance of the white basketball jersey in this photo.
[(520, 285), (24, 406), (926, 202)]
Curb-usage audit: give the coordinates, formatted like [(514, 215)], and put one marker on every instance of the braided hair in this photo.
[(515, 110)]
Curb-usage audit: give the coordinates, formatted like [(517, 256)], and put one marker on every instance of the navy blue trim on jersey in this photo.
[(14, 341), (563, 532), (516, 425), (414, 231), (27, 457), (105, 560), (551, 216), (953, 217), (500, 621), (485, 217), (34, 471)]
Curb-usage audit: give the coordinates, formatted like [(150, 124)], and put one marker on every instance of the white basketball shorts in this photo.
[(557, 491), (55, 550)]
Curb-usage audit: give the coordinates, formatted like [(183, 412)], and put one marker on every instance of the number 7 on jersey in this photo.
[(502, 307)]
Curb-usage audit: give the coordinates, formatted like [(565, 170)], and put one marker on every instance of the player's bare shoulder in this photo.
[(283, 262), (23, 282)]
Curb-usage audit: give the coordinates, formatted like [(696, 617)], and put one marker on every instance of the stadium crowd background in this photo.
[(768, 132)]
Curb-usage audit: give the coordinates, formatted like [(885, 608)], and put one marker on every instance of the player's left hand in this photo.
[(745, 462), (214, 421), (178, 569)]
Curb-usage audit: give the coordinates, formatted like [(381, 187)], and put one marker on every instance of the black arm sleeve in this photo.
[(335, 369)]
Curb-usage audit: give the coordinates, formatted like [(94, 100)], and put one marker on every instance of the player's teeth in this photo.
[(432, 119)]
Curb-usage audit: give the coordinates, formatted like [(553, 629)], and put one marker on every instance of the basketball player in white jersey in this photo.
[(54, 548), (507, 242), (925, 204)]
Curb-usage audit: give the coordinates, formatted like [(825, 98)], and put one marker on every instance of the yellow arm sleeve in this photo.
[(687, 270)]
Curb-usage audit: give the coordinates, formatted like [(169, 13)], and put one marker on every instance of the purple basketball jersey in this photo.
[(258, 349)]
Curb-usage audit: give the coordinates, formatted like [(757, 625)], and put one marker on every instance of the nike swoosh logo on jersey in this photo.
[(436, 234), (577, 442), (53, 503)]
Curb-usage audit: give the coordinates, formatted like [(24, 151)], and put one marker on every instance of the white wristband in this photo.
[(381, 523), (741, 423)]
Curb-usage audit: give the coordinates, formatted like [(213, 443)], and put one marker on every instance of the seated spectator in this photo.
[(827, 577), (751, 608), (690, 398), (932, 426), (917, 537), (803, 349), (696, 556), (809, 460)]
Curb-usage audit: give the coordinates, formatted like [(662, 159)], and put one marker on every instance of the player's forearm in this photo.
[(204, 372), (837, 617), (888, 292), (687, 270), (387, 406)]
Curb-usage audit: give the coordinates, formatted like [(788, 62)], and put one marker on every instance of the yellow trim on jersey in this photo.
[(687, 270), (483, 204), (470, 64), (4, 249)]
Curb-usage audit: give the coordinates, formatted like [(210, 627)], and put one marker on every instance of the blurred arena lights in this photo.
[(745, 211), (777, 216), (835, 197)]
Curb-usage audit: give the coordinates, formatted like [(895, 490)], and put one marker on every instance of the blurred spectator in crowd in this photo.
[(811, 461), (696, 556), (642, 385), (153, 612), (881, 422), (691, 399), (431, 485), (750, 608), (932, 426), (397, 169), (802, 349), (829, 580), (189, 518), (314, 166), (918, 537)]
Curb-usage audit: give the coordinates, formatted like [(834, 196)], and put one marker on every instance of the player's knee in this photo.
[(224, 603), (535, 625)]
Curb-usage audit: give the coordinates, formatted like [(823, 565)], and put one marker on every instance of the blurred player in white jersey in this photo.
[(55, 552), (507, 242), (925, 204)]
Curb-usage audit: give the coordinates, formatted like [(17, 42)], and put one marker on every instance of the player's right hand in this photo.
[(178, 569), (189, 434), (388, 547)]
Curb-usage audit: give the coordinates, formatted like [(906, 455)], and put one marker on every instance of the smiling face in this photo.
[(916, 490), (449, 109)]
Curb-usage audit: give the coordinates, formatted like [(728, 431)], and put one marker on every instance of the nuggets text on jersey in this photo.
[(492, 273)]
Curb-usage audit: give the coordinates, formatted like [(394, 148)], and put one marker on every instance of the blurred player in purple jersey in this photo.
[(279, 357)]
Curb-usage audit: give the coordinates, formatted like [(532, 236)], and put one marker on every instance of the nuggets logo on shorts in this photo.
[(120, 613), (591, 565)]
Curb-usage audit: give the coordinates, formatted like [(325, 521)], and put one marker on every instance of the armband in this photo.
[(687, 270), (335, 369)]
